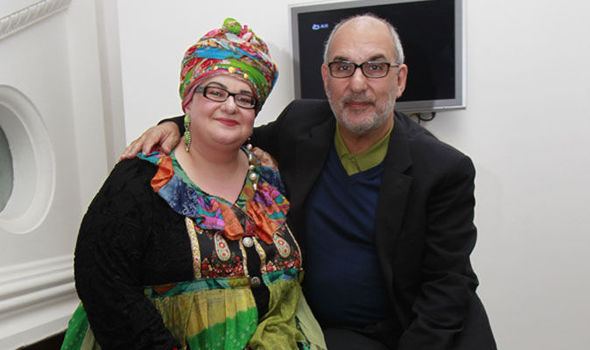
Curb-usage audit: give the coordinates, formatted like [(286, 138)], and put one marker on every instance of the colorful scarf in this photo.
[(234, 49)]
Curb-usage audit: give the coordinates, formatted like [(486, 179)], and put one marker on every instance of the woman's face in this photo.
[(221, 123)]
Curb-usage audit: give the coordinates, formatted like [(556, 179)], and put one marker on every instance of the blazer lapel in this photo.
[(391, 203), (311, 152)]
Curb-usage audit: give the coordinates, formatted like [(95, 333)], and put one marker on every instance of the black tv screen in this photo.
[(431, 32)]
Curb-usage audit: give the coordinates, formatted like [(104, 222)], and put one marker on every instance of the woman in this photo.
[(192, 250)]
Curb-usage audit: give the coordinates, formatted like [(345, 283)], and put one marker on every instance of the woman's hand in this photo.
[(165, 135)]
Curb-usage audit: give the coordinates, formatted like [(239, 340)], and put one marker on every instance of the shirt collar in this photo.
[(356, 163)]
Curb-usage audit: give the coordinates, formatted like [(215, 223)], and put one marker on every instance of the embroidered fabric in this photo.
[(261, 201), (154, 251)]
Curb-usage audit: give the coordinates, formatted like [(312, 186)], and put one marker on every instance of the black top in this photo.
[(120, 250)]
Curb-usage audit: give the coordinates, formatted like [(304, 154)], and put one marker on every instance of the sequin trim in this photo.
[(244, 258), (191, 228), (261, 254)]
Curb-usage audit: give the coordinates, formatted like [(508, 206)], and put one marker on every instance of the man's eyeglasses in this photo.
[(370, 69), (219, 94)]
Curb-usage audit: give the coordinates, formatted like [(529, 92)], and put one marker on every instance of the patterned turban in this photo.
[(233, 49)]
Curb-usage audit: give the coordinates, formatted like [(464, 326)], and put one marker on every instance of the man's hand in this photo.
[(166, 135)]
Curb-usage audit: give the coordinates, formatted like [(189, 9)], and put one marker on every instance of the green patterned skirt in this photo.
[(221, 314)]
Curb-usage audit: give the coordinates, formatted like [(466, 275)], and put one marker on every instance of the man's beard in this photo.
[(378, 119)]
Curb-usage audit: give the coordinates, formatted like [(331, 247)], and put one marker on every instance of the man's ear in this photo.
[(402, 76), (325, 74)]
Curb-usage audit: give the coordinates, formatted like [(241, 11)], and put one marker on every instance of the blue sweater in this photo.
[(340, 213)]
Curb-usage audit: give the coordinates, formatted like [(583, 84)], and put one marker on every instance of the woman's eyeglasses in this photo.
[(219, 94)]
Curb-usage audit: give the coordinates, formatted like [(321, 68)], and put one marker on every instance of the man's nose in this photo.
[(358, 81)]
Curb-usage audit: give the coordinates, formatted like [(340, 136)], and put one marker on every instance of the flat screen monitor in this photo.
[(431, 32)]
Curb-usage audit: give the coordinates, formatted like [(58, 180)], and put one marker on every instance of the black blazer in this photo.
[(424, 222)]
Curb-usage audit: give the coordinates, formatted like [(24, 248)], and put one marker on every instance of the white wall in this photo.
[(53, 112), (37, 232), (524, 126), (154, 39)]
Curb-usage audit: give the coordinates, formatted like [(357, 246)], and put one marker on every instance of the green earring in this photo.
[(187, 132)]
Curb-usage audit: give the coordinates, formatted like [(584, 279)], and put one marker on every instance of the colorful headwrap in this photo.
[(235, 49)]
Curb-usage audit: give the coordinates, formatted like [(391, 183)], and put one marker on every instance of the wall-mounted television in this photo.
[(432, 34)]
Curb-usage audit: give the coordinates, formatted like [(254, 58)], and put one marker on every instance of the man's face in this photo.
[(363, 104)]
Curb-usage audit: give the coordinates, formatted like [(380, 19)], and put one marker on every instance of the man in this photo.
[(382, 209)]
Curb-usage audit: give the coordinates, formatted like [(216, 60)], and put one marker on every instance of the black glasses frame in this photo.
[(365, 68), (239, 102)]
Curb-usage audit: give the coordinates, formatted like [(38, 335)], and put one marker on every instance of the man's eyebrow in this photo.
[(378, 57), (340, 58)]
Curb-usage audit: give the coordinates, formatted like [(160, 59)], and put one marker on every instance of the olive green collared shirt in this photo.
[(355, 163)]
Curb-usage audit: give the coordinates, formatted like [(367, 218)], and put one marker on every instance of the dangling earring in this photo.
[(187, 132)]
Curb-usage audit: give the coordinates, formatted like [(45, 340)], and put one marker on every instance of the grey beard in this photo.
[(378, 119)]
